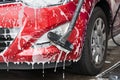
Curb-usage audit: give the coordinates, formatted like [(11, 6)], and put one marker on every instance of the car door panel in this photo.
[(114, 4)]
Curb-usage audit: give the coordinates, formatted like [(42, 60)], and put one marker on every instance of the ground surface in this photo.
[(113, 56)]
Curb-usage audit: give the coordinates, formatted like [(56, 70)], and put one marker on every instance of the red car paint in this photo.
[(35, 22)]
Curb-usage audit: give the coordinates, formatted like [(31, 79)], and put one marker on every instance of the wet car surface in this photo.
[(113, 57)]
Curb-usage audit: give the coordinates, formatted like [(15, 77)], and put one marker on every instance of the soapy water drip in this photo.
[(58, 60), (35, 12), (7, 66), (21, 24), (65, 60), (43, 72), (63, 75)]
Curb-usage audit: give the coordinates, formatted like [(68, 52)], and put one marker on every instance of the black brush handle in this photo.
[(73, 21)]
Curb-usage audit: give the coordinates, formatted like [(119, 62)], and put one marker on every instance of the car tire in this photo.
[(95, 45)]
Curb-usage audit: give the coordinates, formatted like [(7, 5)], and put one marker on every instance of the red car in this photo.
[(37, 34)]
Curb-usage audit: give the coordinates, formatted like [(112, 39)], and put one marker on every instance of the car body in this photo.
[(24, 29)]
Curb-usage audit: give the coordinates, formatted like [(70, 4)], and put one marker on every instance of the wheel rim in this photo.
[(98, 38)]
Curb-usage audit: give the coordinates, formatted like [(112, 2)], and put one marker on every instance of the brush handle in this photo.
[(73, 22)]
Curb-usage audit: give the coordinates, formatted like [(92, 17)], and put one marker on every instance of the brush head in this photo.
[(55, 38)]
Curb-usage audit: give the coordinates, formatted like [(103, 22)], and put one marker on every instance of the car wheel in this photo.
[(95, 45)]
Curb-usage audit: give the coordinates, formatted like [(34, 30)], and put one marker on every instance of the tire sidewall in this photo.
[(97, 13)]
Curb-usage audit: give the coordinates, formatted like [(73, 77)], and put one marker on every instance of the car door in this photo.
[(114, 6)]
